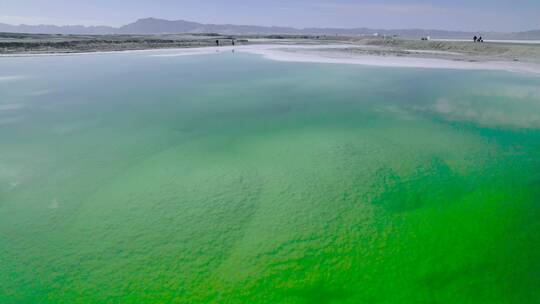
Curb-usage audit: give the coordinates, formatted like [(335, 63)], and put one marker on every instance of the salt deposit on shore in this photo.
[(341, 54)]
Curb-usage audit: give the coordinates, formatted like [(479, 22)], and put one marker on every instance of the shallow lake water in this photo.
[(229, 178)]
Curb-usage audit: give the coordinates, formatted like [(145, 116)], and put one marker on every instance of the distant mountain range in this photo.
[(161, 26)]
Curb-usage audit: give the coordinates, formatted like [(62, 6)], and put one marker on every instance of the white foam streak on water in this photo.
[(10, 107), (10, 120), (40, 92), (12, 78)]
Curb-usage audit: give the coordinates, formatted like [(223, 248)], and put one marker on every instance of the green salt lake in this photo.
[(230, 178)]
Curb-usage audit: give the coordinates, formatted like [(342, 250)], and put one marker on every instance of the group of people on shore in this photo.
[(478, 39), (232, 42)]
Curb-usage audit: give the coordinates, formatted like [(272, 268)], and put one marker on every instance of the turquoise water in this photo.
[(233, 179)]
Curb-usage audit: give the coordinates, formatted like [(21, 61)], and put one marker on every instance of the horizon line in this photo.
[(271, 26)]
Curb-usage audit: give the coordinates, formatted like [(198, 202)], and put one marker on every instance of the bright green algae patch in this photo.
[(233, 179)]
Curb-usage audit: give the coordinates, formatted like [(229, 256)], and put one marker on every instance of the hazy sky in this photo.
[(500, 15)]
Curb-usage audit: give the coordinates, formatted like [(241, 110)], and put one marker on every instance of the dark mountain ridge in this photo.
[(161, 26)]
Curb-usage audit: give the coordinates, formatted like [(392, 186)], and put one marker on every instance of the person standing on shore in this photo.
[(475, 38)]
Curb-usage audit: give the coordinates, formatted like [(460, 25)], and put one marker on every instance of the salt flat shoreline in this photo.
[(342, 53), (332, 56)]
